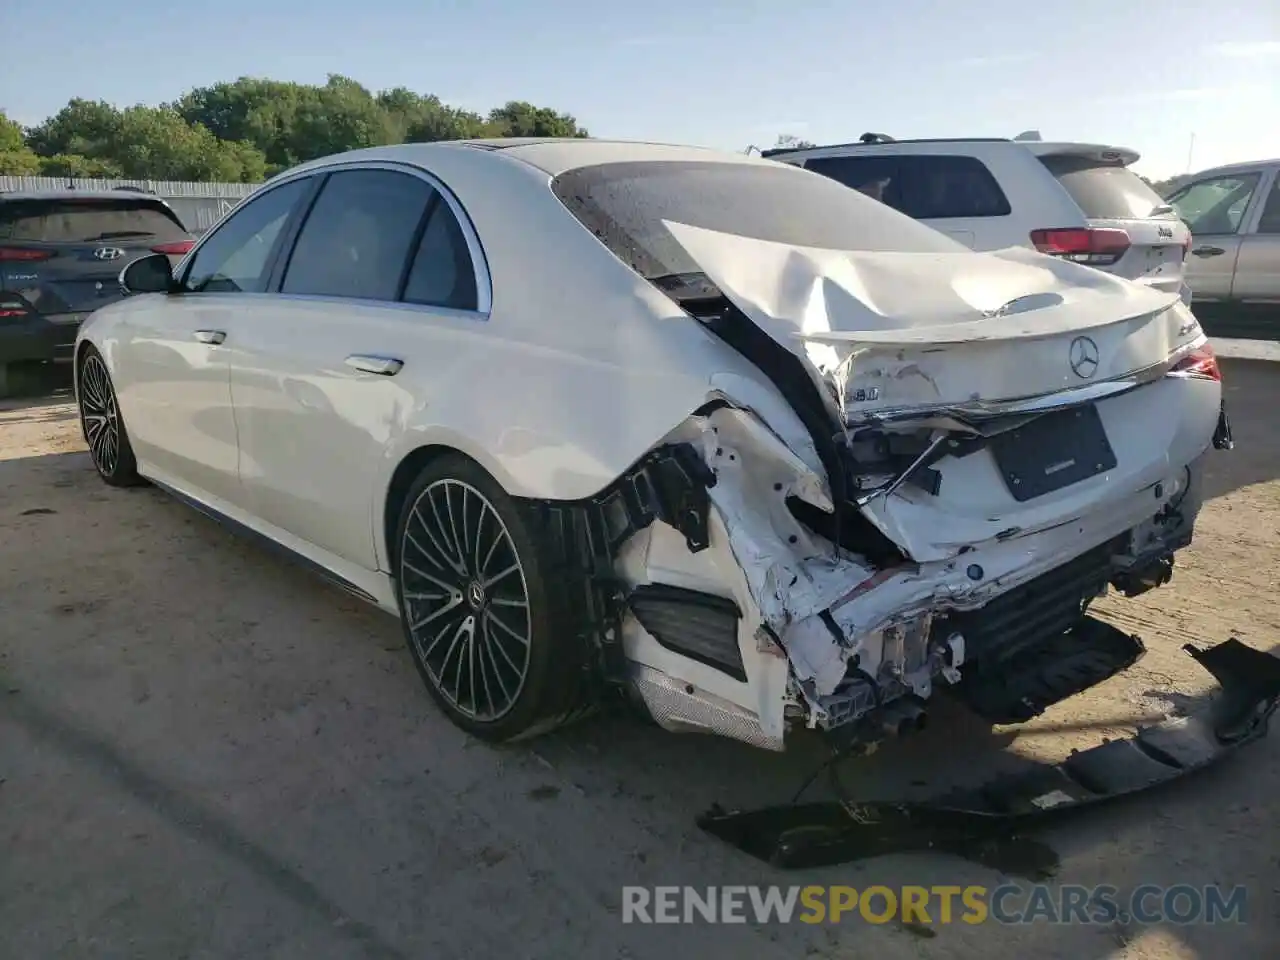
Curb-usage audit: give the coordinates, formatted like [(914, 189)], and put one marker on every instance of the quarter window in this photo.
[(236, 258), (358, 236), (442, 274)]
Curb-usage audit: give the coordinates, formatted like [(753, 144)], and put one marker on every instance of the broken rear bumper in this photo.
[(981, 824)]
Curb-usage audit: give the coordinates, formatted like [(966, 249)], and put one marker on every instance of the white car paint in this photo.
[(574, 366)]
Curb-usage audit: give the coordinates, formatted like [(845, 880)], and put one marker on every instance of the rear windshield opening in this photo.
[(624, 205), (1104, 191), (88, 221)]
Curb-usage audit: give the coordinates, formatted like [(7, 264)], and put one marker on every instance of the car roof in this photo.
[(1240, 167), (1040, 148), (552, 155), (77, 194)]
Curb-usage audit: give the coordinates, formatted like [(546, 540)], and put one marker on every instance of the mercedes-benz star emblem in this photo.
[(1083, 357), (108, 253)]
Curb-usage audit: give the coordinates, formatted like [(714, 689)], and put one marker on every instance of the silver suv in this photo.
[(1234, 266)]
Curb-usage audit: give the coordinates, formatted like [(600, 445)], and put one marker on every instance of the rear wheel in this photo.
[(480, 613), (102, 423)]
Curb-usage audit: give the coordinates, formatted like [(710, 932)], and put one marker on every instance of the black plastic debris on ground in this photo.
[(987, 824)]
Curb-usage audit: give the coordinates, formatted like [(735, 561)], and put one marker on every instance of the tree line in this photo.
[(248, 129)]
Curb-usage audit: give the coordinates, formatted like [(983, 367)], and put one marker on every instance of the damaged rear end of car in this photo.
[(990, 442)]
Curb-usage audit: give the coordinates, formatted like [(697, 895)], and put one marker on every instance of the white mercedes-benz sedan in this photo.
[(709, 431)]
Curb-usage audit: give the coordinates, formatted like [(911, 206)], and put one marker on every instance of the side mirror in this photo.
[(150, 274)]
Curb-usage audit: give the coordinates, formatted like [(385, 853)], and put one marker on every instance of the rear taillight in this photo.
[(1095, 246), (1199, 364), (177, 248), (12, 305), (9, 254)]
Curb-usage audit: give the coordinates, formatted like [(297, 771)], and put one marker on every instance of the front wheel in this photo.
[(102, 424), (481, 615)]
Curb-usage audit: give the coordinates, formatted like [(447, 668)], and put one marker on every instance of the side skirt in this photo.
[(244, 530)]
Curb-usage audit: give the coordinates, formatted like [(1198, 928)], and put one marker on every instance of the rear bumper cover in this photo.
[(982, 824), (39, 337)]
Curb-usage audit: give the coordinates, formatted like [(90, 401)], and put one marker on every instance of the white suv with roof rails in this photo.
[(1078, 201)]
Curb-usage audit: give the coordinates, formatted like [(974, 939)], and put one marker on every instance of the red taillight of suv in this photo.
[(177, 248), (1200, 364), (22, 254), (1094, 246)]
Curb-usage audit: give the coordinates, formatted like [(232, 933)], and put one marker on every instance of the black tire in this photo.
[(102, 423), (505, 588)]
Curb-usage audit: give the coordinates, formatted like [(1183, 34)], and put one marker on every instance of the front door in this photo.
[(177, 400)]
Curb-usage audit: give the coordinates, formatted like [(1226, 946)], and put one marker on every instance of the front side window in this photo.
[(236, 257), (358, 236), (1216, 206)]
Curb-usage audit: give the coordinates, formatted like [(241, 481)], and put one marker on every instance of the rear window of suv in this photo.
[(1104, 191), (624, 205), (88, 220)]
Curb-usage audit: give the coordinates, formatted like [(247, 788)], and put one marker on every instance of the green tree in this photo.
[(787, 141), (74, 165), (16, 158), (517, 118), (250, 128)]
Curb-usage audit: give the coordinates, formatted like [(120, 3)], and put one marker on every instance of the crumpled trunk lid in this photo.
[(903, 330)]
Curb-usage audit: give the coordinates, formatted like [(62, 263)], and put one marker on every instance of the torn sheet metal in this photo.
[(983, 824), (904, 328)]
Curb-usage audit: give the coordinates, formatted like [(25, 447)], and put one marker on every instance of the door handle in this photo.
[(1208, 251), (370, 363), (211, 336)]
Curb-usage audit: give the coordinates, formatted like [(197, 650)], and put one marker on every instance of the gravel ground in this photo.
[(205, 752)]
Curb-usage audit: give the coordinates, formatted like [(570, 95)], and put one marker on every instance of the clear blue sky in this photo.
[(1140, 73)]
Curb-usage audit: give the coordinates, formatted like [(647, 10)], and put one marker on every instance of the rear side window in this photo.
[(1270, 219), (922, 187), (88, 220), (358, 236), (1103, 191), (624, 205)]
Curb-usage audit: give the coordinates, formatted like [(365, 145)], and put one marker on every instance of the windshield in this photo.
[(1104, 191), (624, 205), (88, 220)]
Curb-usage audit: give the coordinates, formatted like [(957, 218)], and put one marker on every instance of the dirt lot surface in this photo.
[(205, 752)]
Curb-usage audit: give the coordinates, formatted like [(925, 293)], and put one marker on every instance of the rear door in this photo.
[(71, 250), (1216, 210), (1257, 276), (379, 278), (1113, 197)]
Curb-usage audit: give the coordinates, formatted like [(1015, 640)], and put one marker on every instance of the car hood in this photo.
[(896, 329)]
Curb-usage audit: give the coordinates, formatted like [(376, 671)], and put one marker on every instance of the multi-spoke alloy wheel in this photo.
[(101, 419), (466, 600), (103, 426), (488, 612)]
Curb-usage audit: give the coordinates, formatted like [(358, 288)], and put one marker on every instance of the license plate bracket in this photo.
[(1053, 451)]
